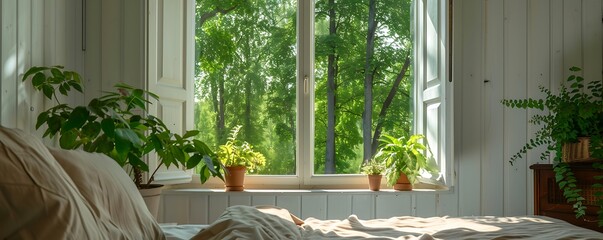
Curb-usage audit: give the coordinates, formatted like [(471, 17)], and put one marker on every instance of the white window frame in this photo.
[(304, 178)]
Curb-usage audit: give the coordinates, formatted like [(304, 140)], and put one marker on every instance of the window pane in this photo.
[(343, 76), (245, 74)]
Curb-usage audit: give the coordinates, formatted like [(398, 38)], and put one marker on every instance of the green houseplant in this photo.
[(117, 124), (238, 157), (404, 158), (574, 113), (374, 170)]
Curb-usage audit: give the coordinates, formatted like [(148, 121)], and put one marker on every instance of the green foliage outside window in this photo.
[(245, 74)]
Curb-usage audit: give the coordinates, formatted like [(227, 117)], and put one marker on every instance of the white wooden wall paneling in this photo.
[(538, 58), (204, 207), (392, 205), (493, 181), (36, 54), (111, 44), (591, 39), (23, 60), (556, 38), (515, 87), (263, 200), (198, 212), (314, 205), (471, 80), (425, 204), (339, 206), (9, 63), (363, 206), (93, 75), (291, 203)]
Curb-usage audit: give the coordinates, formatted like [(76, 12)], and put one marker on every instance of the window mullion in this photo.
[(305, 89)]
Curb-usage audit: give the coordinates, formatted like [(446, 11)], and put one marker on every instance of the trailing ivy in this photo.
[(576, 111)]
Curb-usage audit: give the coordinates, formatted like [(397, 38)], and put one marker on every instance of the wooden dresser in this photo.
[(549, 200)]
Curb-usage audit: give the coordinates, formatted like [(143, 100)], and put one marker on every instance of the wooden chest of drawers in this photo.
[(549, 200)]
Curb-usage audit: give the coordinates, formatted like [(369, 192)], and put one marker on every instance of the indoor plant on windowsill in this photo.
[(117, 124), (238, 157), (374, 171), (404, 159), (574, 113)]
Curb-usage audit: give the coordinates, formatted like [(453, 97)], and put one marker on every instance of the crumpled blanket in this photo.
[(269, 222)]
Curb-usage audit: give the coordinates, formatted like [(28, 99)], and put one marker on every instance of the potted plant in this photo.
[(238, 157), (404, 159), (374, 170), (573, 120), (117, 124)]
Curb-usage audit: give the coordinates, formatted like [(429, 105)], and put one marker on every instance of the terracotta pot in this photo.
[(374, 182), (234, 178), (403, 184), (152, 196)]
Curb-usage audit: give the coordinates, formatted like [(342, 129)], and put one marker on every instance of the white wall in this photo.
[(503, 49), (51, 32)]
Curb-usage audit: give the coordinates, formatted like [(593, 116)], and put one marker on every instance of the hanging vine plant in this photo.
[(575, 111)]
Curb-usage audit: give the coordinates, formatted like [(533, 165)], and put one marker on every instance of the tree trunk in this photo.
[(386, 104), (368, 83), (220, 125), (331, 96)]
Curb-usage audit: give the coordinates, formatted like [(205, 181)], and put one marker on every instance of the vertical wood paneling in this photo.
[(425, 205), (314, 206), (8, 51), (111, 43), (556, 38), (24, 38), (448, 204), (492, 110), (263, 200), (471, 79), (199, 206), (363, 206), (178, 214), (93, 79), (217, 205), (538, 75), (37, 59), (339, 206), (515, 73), (572, 34), (291, 203), (393, 205), (239, 200), (591, 40)]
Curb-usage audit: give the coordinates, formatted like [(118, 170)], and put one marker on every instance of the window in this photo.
[(295, 76)]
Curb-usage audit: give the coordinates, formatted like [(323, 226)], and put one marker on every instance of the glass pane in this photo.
[(245, 73), (344, 75)]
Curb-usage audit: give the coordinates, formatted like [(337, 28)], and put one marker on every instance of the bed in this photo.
[(48, 193), (271, 222)]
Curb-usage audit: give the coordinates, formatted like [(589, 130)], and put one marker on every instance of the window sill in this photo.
[(189, 191)]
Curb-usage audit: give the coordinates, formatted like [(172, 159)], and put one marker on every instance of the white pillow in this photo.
[(111, 193), (38, 200)]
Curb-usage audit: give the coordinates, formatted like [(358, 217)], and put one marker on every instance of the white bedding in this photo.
[(180, 232), (244, 222)]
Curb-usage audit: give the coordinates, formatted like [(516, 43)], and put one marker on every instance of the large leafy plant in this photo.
[(117, 124), (404, 155), (575, 111), (239, 153)]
